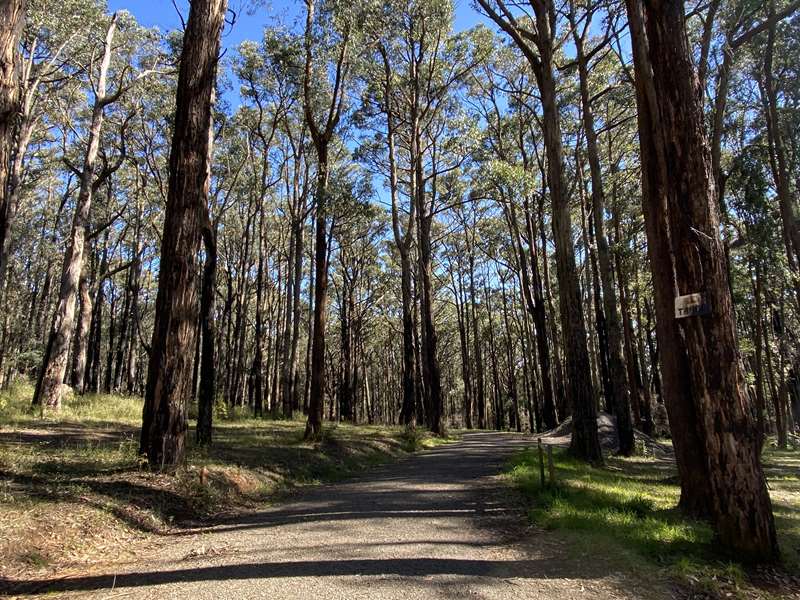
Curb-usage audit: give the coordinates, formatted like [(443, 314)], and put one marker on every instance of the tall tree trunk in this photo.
[(781, 171), (539, 315), (714, 432), (642, 400), (317, 392), (112, 332), (431, 372), (512, 378), (461, 314), (294, 390), (12, 21), (499, 408), (292, 279), (538, 44), (169, 375), (124, 329), (758, 340), (321, 137), (620, 390), (96, 329), (206, 394), (585, 442), (81, 349), (132, 366), (477, 351), (347, 383), (54, 364), (257, 375), (402, 239), (408, 413)]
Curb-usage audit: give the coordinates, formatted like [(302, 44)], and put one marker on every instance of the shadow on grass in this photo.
[(630, 506), (630, 502)]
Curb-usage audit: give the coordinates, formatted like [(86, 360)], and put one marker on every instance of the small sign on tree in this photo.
[(691, 305)]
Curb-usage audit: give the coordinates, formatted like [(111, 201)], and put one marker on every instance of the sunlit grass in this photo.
[(16, 408), (638, 511), (627, 511)]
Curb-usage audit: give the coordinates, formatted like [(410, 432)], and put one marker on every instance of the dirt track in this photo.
[(436, 525)]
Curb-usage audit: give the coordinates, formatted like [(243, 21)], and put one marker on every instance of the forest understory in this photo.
[(628, 511)]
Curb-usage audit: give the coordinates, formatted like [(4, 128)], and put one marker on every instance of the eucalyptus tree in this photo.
[(12, 17), (779, 139), (534, 31), (359, 282), (714, 431), (270, 76), (384, 96), (169, 374), (331, 44), (417, 78), (586, 52), (54, 365), (297, 182), (508, 174), (51, 40), (225, 181)]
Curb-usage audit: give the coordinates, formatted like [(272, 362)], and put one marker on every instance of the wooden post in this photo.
[(550, 467), (541, 462)]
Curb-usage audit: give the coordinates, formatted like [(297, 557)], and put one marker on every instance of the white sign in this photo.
[(691, 305)]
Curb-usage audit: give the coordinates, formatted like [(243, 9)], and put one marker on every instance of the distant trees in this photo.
[(536, 37), (54, 366)]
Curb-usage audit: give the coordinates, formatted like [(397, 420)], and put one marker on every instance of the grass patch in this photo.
[(16, 408), (415, 439), (627, 511)]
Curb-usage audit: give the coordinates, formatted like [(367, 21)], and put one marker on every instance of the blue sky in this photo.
[(251, 18), (252, 15)]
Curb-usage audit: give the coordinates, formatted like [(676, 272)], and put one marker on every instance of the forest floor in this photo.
[(73, 491), (78, 518), (442, 523)]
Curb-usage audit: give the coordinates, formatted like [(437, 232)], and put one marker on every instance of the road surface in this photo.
[(438, 524)]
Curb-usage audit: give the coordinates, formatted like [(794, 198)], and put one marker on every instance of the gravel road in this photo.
[(439, 524)]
